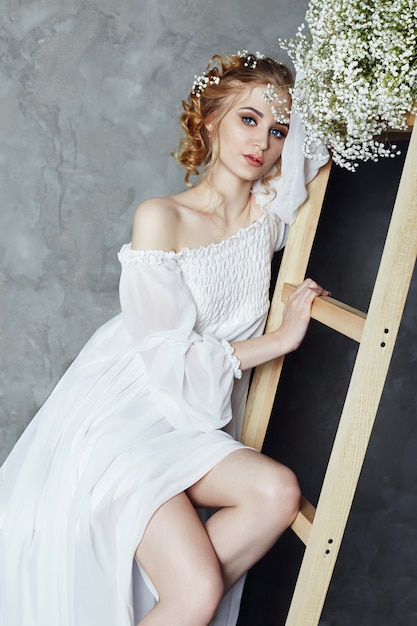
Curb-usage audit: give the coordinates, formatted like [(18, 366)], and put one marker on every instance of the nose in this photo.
[(262, 139)]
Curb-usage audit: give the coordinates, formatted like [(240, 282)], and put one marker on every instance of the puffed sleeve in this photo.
[(190, 376)]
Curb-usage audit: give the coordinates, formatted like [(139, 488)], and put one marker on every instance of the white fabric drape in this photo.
[(150, 405), (184, 370)]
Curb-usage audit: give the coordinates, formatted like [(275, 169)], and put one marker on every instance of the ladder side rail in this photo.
[(362, 400), (293, 268)]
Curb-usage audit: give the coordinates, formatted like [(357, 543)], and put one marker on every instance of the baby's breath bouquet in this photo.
[(356, 75)]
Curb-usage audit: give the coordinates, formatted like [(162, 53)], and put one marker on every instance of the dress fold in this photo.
[(149, 406)]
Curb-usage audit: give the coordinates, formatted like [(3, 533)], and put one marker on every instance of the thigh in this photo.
[(175, 548), (240, 476)]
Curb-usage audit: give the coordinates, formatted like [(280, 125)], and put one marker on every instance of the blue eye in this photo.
[(279, 132), (248, 120)]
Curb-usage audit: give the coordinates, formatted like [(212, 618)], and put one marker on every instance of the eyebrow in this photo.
[(252, 109)]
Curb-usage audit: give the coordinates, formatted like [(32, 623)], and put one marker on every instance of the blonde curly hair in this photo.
[(226, 77)]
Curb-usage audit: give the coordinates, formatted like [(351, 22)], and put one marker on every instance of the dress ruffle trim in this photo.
[(127, 255), (237, 372)]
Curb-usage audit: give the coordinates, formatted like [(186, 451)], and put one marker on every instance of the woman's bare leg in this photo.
[(177, 555), (259, 499), (191, 565)]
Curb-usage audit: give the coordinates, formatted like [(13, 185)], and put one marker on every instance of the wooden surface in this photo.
[(304, 520), (322, 529), (292, 270), (362, 400), (334, 314)]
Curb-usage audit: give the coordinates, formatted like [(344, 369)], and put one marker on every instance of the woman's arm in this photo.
[(189, 375), (155, 227), (288, 336)]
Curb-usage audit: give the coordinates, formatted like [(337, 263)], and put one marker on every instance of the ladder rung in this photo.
[(334, 314), (304, 520)]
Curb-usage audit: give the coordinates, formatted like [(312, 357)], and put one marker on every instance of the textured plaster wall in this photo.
[(90, 94), (89, 98)]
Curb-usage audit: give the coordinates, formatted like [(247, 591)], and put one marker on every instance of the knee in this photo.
[(280, 495)]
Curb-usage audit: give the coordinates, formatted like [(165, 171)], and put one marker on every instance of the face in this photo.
[(250, 140)]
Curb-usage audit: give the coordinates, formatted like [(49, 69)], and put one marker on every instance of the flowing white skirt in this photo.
[(80, 486)]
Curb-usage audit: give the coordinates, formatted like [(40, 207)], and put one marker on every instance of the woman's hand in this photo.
[(297, 314), (295, 320)]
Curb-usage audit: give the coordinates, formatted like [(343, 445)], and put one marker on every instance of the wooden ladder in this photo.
[(321, 529)]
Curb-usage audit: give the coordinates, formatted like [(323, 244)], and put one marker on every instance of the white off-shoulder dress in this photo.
[(153, 401)]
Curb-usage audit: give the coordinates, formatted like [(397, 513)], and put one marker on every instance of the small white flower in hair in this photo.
[(270, 95), (201, 82), (250, 60)]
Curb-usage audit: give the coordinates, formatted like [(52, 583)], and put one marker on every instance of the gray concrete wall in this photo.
[(90, 94), (89, 97)]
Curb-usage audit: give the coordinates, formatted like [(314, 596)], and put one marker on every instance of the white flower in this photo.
[(359, 62)]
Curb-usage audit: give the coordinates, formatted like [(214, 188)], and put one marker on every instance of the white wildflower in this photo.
[(359, 62)]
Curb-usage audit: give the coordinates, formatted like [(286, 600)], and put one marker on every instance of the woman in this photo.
[(143, 428)]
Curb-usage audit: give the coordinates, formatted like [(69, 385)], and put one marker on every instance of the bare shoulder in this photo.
[(155, 225)]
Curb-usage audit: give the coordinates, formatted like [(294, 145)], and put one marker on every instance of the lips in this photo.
[(254, 160)]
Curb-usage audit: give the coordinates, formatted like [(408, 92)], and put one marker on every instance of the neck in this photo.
[(232, 198)]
